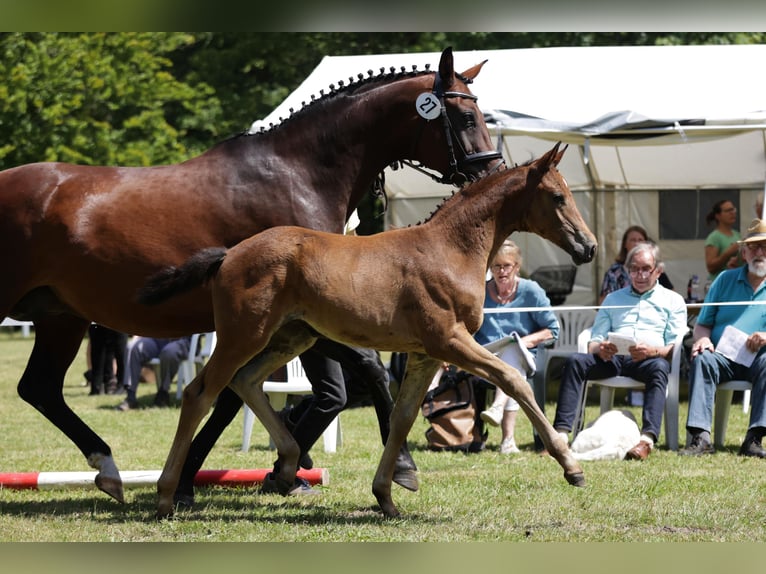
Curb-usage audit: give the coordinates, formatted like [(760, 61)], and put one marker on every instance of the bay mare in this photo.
[(418, 290), (79, 241)]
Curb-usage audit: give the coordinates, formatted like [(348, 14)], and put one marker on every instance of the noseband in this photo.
[(456, 176)]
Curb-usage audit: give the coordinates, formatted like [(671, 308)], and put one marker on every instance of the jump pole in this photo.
[(142, 478)]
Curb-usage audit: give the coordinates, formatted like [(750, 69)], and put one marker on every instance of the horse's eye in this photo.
[(559, 199), (469, 120)]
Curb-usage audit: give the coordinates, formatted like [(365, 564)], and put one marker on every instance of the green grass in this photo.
[(480, 497)]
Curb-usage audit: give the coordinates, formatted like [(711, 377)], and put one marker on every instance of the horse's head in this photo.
[(454, 140), (552, 211)]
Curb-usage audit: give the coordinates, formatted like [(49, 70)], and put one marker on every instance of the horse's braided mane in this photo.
[(342, 88)]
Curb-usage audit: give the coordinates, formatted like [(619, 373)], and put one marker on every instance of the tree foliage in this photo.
[(98, 98)]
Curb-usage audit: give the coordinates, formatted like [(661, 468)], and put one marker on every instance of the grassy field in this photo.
[(463, 498)]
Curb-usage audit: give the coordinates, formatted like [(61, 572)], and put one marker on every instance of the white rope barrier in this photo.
[(597, 307)]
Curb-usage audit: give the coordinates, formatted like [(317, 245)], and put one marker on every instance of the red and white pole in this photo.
[(141, 478)]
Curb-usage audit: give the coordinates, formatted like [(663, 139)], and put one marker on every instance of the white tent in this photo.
[(657, 134)]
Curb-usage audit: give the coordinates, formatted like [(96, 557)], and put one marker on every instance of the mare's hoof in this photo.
[(407, 478), (575, 478), (183, 501), (112, 486)]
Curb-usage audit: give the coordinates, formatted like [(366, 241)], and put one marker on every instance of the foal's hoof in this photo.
[(575, 478), (112, 486), (407, 478), (274, 485)]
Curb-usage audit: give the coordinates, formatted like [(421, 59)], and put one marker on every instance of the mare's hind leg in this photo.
[(420, 371), (472, 357), (57, 341), (366, 367)]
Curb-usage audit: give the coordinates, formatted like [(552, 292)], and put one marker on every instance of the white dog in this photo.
[(609, 437)]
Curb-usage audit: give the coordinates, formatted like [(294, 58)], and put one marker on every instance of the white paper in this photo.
[(732, 346), (519, 357), (622, 342)]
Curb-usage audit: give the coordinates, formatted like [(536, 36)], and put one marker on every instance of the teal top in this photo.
[(732, 285), (721, 242)]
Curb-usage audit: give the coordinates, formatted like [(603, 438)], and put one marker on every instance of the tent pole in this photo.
[(596, 272)]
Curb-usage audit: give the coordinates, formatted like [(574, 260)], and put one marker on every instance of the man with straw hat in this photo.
[(717, 327)]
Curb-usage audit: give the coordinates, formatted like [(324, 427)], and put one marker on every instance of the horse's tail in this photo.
[(171, 281)]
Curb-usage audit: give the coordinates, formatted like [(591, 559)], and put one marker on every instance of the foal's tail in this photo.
[(171, 281)]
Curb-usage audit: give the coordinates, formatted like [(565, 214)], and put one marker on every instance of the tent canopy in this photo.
[(638, 119)]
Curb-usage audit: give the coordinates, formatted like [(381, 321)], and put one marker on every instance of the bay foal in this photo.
[(418, 289)]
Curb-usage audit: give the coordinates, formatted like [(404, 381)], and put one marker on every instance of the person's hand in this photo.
[(755, 341), (641, 351), (607, 350), (702, 344)]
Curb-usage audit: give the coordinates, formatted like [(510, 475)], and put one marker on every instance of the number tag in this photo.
[(427, 106)]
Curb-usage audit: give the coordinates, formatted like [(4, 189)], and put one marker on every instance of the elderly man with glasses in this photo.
[(652, 316), (709, 367)]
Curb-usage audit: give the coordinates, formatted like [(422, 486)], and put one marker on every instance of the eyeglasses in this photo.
[(641, 272), (756, 247), (729, 209), (505, 267)]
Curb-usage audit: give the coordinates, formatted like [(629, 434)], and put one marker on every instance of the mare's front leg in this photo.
[(197, 400), (57, 341), (472, 357), (420, 371)]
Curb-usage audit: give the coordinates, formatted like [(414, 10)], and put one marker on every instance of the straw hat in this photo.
[(756, 231)]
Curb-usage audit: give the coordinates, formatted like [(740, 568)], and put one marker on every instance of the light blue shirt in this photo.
[(499, 325), (654, 318), (732, 285)]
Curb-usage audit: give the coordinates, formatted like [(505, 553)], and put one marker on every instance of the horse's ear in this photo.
[(550, 158), (447, 67), (471, 73)]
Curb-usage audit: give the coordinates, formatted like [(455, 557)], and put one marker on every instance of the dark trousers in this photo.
[(106, 347), (580, 367)]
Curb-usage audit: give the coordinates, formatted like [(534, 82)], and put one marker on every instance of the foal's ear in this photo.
[(553, 157)]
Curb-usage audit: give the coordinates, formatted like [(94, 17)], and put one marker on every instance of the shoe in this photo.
[(300, 487), (697, 447), (112, 387), (639, 452), (752, 447), (493, 415), (162, 399), (127, 405), (508, 446)]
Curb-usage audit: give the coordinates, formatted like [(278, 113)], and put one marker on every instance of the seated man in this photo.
[(171, 353), (650, 314), (709, 368)]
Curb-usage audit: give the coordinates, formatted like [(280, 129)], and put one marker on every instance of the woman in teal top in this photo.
[(506, 289), (721, 245)]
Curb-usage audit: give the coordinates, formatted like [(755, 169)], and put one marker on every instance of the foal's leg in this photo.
[(197, 399), (365, 366), (420, 371), (57, 341), (470, 356)]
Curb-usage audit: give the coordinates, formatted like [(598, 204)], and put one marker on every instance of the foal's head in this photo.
[(549, 208)]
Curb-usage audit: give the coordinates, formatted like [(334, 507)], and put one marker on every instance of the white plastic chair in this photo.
[(723, 395), (609, 385), (571, 324), (297, 384), (189, 367)]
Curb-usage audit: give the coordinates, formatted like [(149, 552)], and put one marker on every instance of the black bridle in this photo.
[(456, 176)]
